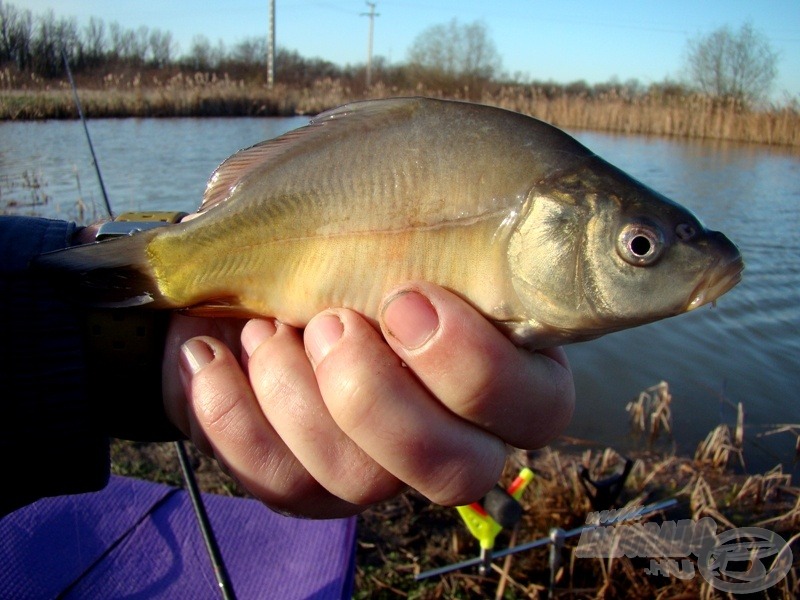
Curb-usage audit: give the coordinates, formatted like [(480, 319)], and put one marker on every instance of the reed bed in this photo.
[(199, 94), (690, 116)]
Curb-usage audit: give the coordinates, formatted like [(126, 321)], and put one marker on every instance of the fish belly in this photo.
[(292, 279)]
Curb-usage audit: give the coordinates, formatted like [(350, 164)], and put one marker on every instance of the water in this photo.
[(146, 164), (745, 350)]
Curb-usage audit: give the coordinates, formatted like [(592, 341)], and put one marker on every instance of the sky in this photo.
[(561, 41)]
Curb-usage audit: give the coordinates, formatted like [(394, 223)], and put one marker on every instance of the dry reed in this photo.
[(209, 94), (650, 413), (691, 115), (792, 429), (401, 537), (721, 445)]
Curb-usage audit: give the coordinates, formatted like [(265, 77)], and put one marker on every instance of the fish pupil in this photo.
[(640, 245)]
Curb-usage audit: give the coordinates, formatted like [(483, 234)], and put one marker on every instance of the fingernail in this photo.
[(410, 318), (255, 333), (196, 354), (322, 334)]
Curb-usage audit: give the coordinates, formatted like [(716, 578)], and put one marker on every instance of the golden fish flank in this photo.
[(545, 238)]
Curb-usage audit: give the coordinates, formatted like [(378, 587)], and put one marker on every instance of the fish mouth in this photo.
[(719, 279)]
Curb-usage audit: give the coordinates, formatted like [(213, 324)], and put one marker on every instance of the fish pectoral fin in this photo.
[(220, 307)]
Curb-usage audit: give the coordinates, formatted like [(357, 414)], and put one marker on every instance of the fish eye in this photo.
[(640, 244)]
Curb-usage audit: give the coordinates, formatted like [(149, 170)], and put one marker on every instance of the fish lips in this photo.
[(723, 275)]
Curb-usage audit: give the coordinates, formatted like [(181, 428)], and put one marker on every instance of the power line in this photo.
[(271, 46), (371, 14)]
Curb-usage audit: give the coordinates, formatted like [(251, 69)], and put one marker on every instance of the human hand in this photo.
[(326, 421)]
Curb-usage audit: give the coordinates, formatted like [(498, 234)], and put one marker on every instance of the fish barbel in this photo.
[(547, 240)]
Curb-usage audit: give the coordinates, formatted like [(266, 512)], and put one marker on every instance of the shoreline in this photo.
[(407, 535), (686, 116)]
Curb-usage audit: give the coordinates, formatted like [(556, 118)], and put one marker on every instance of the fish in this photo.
[(547, 240)]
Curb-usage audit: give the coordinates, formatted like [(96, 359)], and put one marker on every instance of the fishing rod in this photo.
[(86, 131), (555, 537), (212, 547), (221, 574)]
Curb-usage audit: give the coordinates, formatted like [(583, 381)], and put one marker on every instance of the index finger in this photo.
[(524, 397)]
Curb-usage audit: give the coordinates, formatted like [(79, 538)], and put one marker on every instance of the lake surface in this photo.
[(745, 350)]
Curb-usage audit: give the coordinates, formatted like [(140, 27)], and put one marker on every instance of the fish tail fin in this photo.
[(111, 274)]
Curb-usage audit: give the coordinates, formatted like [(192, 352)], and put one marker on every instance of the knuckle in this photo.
[(216, 410), (487, 386), (365, 493), (460, 483), (352, 389), (289, 489)]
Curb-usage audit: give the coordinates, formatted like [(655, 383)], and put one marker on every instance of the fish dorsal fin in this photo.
[(240, 165), (370, 109), (233, 169)]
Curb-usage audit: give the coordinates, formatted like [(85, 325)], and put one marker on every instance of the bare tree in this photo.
[(16, 36), (453, 51), (52, 37), (203, 56), (140, 45), (161, 47), (121, 42), (738, 65), (250, 51), (94, 35)]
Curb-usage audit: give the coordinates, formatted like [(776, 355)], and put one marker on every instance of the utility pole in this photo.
[(371, 14), (271, 47)]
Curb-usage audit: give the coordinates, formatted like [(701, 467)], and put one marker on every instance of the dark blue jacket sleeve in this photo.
[(50, 441)]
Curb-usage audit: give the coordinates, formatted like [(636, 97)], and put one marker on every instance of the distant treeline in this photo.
[(35, 45), (180, 94), (124, 73), (32, 48)]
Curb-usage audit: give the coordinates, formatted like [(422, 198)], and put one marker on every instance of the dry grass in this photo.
[(409, 535), (718, 448), (691, 115), (28, 195), (176, 94), (400, 538), (721, 445), (791, 429), (650, 413)]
